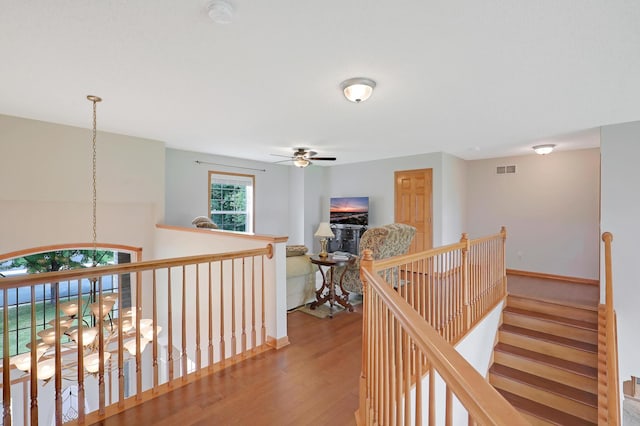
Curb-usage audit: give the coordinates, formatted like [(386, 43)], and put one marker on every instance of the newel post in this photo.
[(465, 281), (366, 262), (503, 233)]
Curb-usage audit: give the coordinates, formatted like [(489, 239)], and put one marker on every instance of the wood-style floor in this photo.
[(313, 381)]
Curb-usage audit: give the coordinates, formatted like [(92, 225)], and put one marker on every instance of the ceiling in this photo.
[(476, 79)]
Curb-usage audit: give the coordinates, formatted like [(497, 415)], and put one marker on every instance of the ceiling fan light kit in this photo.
[(357, 89)]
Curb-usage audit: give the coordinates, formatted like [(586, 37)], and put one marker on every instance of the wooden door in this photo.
[(413, 200)]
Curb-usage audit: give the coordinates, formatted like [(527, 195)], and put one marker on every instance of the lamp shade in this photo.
[(357, 89), (324, 231)]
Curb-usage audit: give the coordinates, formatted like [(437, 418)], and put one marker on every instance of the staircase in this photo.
[(546, 361)]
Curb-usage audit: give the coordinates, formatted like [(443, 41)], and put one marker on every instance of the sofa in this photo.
[(301, 277), (384, 241)]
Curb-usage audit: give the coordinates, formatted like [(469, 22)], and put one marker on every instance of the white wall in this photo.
[(550, 208), (620, 148), (375, 179), (315, 199), (45, 196), (187, 192), (454, 198)]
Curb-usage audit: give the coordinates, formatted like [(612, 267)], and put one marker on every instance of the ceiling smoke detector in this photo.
[(220, 11)]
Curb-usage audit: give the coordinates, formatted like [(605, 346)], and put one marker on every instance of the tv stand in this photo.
[(347, 237)]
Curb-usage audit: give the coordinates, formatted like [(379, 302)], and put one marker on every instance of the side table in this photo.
[(328, 284)]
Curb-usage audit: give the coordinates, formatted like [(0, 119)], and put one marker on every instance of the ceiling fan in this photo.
[(303, 157)]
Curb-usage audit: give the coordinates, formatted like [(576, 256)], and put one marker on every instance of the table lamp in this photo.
[(324, 233)]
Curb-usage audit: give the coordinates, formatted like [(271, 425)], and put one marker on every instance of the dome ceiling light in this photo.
[(544, 149), (357, 89)]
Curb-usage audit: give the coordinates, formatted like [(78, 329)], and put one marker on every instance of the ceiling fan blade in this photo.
[(323, 158), (282, 161), (279, 155)]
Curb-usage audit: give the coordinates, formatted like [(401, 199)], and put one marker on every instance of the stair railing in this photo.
[(415, 307), (204, 312), (611, 406)]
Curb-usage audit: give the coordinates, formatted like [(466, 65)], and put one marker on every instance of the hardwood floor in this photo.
[(313, 381)]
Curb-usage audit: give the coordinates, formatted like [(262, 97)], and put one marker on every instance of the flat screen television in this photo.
[(349, 210)]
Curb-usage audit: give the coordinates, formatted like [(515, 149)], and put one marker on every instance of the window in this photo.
[(231, 201)]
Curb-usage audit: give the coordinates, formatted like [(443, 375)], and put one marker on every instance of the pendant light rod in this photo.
[(94, 99)]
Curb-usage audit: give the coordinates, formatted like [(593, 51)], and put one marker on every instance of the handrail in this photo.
[(415, 308), (484, 404), (613, 391), (224, 295), (88, 273)]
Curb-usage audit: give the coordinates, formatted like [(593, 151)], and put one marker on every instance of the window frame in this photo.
[(251, 196)]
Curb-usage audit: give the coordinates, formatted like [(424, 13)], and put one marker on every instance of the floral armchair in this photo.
[(385, 241)]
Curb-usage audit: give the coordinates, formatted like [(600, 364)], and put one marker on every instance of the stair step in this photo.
[(545, 414), (556, 346), (553, 324), (547, 392), (581, 313), (546, 366)]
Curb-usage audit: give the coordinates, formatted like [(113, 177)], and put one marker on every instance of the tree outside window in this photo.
[(231, 201)]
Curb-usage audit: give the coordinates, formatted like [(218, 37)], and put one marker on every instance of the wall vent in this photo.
[(500, 170)]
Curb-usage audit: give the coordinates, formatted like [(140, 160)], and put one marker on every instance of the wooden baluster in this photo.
[(80, 343), (6, 366), (169, 328), (503, 263), (138, 351), (243, 336), (253, 303), (34, 362), (398, 371), (100, 325), (365, 263), (210, 326), (234, 347), (417, 379), (449, 407), (120, 349), (432, 396), (386, 361), (58, 357), (183, 351), (407, 365), (264, 327), (223, 352), (198, 353), (154, 343)]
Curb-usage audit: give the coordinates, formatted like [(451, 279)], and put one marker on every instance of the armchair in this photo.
[(385, 241)]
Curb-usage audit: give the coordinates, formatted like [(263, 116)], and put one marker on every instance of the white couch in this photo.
[(301, 281)]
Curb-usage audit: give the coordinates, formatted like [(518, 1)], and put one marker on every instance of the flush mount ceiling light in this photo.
[(544, 149), (220, 11), (357, 89)]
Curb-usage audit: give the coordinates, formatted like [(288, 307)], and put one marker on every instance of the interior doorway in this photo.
[(413, 205)]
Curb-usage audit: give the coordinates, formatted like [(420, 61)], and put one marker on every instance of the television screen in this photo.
[(349, 210)]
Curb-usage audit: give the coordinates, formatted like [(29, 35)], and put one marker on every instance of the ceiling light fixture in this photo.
[(301, 162), (357, 89), (544, 149), (220, 11)]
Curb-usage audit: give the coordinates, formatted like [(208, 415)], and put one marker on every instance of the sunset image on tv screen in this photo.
[(349, 210)]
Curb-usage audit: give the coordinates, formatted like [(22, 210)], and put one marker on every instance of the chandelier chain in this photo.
[(94, 200)]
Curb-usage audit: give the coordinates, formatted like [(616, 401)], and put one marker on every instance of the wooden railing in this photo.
[(609, 399), (414, 308), (196, 313), (451, 287)]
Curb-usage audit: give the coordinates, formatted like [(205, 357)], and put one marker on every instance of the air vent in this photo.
[(500, 170)]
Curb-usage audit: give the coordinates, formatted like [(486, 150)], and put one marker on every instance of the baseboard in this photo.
[(278, 343), (541, 275)]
